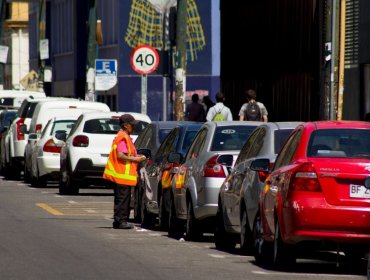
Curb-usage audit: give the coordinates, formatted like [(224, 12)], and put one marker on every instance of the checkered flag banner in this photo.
[(146, 27)]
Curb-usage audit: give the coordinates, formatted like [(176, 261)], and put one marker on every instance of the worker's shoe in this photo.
[(124, 225)]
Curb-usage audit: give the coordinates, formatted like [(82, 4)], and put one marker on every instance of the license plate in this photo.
[(359, 191)]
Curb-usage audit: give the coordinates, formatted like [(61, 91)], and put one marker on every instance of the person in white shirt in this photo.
[(219, 108)]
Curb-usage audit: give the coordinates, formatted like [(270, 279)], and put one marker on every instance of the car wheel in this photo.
[(246, 236), (224, 240), (137, 204), (283, 253), (67, 186), (262, 248), (147, 220), (193, 231), (163, 214), (175, 226)]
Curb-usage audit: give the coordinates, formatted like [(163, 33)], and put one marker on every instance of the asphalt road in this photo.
[(47, 236)]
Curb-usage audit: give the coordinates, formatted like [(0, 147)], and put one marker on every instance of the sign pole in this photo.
[(144, 93)]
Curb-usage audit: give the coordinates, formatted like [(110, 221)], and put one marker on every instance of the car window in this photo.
[(102, 126), (77, 124), (65, 125), (144, 136), (228, 138), (287, 152), (349, 143), (162, 134), (198, 144), (245, 149), (139, 127), (168, 144), (31, 109), (258, 143), (280, 137), (46, 128), (188, 139)]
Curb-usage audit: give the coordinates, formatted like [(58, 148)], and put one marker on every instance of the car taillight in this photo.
[(80, 141), (263, 174), (20, 135), (51, 147), (305, 179), (213, 169), (38, 128)]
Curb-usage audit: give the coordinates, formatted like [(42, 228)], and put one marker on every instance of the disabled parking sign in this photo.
[(105, 74)]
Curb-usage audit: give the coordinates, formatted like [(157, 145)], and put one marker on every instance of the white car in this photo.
[(85, 153), (45, 157), (13, 157), (46, 110)]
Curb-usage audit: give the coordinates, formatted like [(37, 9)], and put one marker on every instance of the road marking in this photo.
[(306, 274), (217, 256), (49, 209), (73, 208)]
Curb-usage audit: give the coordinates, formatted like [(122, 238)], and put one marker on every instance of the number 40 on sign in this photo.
[(144, 59)]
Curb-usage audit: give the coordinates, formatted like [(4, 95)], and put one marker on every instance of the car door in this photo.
[(232, 194)]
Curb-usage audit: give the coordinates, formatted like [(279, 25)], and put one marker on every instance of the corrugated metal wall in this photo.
[(280, 59)]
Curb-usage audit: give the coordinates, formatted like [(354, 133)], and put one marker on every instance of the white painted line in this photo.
[(71, 201), (306, 274), (217, 256)]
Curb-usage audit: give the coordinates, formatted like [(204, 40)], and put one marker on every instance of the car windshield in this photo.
[(349, 143), (228, 138), (188, 139), (62, 125), (139, 127)]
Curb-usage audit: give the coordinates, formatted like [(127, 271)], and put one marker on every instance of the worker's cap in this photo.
[(127, 118)]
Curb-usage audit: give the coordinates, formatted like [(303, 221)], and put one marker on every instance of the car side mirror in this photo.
[(174, 158), (23, 129), (146, 152), (61, 135), (226, 160), (261, 164)]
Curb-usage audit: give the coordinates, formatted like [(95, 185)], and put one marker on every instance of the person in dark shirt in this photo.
[(195, 111), (208, 102)]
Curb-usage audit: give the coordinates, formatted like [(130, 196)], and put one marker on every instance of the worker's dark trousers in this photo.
[(122, 197)]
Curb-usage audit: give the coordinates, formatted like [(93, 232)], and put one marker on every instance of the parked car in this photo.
[(15, 143), (153, 135), (45, 158), (6, 118), (156, 175), (86, 150), (195, 187), (12, 99), (318, 194), (239, 193), (44, 111)]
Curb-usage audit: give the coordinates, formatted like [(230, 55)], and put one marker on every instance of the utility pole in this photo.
[(91, 53), (180, 59), (42, 31)]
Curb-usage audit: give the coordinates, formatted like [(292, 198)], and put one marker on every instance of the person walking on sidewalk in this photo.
[(219, 112), (121, 169), (253, 110), (195, 111)]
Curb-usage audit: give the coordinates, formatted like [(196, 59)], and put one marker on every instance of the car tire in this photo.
[(246, 236), (175, 226), (163, 214), (193, 232), (224, 240), (147, 219), (262, 248), (283, 254), (69, 185)]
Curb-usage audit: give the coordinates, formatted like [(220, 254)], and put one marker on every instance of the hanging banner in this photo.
[(44, 49)]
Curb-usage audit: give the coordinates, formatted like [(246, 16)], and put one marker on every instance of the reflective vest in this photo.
[(118, 171), (180, 178)]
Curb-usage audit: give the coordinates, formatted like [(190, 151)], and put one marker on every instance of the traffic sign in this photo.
[(105, 74), (144, 59)]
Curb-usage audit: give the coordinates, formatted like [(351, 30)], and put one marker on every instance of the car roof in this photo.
[(282, 125), (99, 114), (338, 124)]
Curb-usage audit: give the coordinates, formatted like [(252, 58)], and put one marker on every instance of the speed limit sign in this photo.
[(144, 59)]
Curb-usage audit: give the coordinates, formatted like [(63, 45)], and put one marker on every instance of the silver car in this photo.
[(239, 193), (196, 185)]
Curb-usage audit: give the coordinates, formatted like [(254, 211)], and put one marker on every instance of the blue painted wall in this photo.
[(203, 75)]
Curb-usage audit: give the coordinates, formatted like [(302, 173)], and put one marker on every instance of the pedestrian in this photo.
[(219, 112), (208, 103), (253, 110), (195, 111), (121, 169)]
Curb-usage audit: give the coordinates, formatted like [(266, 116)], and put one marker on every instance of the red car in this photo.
[(317, 196)]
